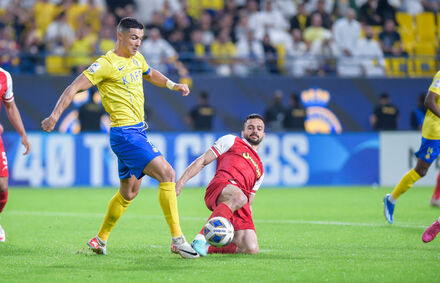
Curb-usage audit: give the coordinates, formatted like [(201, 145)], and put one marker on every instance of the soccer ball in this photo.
[(219, 232)]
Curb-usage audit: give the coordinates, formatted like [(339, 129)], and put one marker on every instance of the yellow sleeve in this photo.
[(435, 85), (98, 71)]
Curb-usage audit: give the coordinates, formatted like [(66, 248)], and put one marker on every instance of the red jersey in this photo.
[(6, 93), (238, 163)]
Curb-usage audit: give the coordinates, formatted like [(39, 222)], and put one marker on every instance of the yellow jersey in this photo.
[(431, 124), (119, 81)]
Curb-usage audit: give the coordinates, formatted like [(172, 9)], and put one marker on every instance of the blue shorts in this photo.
[(134, 151), (429, 150)]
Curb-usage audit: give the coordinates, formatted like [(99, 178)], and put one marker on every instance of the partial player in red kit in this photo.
[(7, 96), (231, 192), (435, 199)]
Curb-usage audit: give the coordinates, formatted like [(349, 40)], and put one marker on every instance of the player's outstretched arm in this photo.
[(158, 79), (194, 169), (15, 118), (431, 103), (81, 83)]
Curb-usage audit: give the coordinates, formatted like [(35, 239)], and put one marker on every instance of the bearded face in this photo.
[(253, 131)]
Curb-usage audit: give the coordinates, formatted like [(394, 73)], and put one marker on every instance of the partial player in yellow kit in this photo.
[(427, 153), (118, 76)]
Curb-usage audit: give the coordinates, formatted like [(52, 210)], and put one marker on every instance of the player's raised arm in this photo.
[(81, 83), (194, 168), (158, 79), (15, 118)]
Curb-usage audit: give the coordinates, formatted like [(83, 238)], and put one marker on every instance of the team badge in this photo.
[(319, 119), (94, 67), (135, 62), (428, 153), (436, 83)]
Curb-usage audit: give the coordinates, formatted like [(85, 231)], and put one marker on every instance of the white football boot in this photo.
[(180, 246)]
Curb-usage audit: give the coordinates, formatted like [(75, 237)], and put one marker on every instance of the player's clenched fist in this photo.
[(48, 124), (183, 88)]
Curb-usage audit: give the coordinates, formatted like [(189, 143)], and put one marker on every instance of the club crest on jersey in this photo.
[(135, 62), (428, 153), (246, 155), (94, 67)]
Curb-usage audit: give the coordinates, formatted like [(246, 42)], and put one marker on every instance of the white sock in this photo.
[(391, 199), (180, 237), (199, 237), (101, 242), (438, 220)]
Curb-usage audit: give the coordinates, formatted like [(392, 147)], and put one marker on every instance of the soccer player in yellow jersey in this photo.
[(428, 151), (118, 76)]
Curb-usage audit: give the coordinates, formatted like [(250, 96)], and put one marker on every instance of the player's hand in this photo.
[(48, 124), (179, 188), (183, 88), (27, 145)]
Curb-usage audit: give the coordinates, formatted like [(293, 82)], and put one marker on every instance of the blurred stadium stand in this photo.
[(61, 37)]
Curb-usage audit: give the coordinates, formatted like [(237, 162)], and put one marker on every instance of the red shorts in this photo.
[(4, 172), (241, 219)]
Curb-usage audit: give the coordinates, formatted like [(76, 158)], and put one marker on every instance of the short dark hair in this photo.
[(253, 116), (204, 95), (384, 95), (127, 23), (295, 97)]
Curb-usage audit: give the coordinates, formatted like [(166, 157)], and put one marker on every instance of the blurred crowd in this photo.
[(231, 37)]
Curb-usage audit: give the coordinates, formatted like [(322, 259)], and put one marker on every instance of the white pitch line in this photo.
[(201, 219)]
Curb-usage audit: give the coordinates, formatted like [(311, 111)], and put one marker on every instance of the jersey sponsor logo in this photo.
[(94, 67), (246, 155), (436, 83), (132, 77)]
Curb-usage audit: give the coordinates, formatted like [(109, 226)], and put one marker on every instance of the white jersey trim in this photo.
[(222, 145), (9, 94), (257, 184)]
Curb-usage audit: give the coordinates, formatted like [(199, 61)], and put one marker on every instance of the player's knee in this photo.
[(167, 174), (131, 195), (252, 249), (3, 186), (240, 200)]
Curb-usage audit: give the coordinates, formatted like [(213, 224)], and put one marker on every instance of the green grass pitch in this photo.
[(305, 235)]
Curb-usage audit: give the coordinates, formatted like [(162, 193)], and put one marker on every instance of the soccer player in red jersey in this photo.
[(7, 96), (231, 192)]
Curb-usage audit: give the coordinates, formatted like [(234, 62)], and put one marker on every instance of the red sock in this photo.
[(229, 249), (436, 194), (221, 210), (3, 199)]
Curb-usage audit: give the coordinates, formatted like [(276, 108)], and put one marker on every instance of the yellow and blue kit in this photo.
[(119, 81), (430, 147)]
